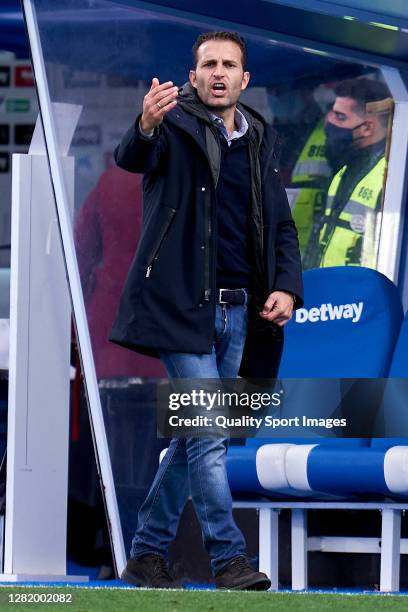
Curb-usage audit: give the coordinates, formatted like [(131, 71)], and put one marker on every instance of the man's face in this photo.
[(219, 77), (344, 115)]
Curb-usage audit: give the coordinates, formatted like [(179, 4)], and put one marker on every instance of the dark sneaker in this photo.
[(149, 570), (238, 575)]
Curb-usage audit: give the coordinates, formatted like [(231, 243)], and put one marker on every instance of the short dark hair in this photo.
[(362, 90), (230, 36)]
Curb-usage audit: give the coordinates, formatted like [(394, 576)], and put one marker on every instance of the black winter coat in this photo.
[(168, 302)]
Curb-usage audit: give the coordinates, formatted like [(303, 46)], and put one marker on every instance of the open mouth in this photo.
[(218, 89)]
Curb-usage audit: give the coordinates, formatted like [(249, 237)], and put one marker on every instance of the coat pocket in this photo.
[(166, 216), (262, 352)]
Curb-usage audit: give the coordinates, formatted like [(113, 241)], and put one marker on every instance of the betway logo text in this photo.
[(330, 312)]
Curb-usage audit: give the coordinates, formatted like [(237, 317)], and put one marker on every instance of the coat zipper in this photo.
[(208, 232), (155, 251)]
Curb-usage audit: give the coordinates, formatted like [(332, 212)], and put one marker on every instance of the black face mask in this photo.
[(339, 143)]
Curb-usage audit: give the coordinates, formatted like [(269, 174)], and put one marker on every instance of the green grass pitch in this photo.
[(150, 600)]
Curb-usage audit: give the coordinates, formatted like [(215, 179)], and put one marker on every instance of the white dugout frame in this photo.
[(75, 289)]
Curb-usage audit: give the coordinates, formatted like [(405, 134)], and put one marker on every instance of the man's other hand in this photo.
[(278, 308), (156, 103)]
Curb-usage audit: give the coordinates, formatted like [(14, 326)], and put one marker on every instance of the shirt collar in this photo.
[(240, 122)]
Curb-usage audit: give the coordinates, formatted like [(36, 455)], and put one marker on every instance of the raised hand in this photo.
[(159, 101)]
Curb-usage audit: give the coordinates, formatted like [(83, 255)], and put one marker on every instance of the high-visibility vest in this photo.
[(351, 236), (309, 182)]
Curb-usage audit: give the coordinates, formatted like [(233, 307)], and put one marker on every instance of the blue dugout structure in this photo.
[(352, 326)]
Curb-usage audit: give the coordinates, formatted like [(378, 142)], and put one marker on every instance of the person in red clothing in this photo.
[(107, 231)]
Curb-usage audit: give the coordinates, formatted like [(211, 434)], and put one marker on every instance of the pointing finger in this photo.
[(160, 89)]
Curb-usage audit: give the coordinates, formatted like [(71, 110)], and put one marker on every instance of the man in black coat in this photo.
[(216, 276)]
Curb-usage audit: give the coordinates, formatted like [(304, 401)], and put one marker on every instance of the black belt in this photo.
[(236, 297)]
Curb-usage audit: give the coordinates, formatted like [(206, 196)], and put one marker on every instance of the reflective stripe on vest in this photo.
[(353, 239), (309, 170)]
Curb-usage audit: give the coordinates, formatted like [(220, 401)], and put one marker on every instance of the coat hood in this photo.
[(189, 101)]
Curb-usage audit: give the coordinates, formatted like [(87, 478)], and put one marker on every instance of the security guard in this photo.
[(310, 179), (349, 235), (356, 131)]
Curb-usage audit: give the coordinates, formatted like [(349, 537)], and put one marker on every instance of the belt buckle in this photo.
[(220, 300)]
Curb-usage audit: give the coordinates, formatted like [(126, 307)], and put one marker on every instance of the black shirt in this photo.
[(233, 208)]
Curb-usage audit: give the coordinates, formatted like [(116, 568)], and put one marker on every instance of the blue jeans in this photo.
[(196, 466)]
